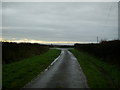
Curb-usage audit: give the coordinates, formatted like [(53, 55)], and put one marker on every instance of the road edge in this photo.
[(55, 60), (83, 74)]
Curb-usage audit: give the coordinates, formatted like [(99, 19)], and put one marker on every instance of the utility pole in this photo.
[(119, 20), (97, 39)]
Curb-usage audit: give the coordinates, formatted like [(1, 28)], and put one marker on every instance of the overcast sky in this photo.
[(50, 21)]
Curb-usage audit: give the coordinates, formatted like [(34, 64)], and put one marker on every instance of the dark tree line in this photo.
[(61, 46), (12, 52), (107, 50)]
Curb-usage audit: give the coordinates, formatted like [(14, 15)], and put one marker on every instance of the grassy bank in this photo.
[(98, 73), (17, 74)]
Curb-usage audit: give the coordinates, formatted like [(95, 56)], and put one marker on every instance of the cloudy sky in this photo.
[(59, 22)]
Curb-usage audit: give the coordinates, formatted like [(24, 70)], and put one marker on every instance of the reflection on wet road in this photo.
[(65, 73)]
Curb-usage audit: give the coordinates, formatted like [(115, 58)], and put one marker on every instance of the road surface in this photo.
[(65, 73)]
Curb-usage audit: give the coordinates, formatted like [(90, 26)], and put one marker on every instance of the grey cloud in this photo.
[(60, 21)]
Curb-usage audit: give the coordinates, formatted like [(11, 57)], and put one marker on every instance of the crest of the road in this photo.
[(65, 73)]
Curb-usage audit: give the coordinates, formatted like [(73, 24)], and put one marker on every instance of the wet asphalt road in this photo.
[(65, 73)]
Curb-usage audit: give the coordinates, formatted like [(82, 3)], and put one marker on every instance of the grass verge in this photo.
[(16, 75), (98, 73)]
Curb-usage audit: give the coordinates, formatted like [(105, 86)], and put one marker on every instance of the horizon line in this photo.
[(43, 42)]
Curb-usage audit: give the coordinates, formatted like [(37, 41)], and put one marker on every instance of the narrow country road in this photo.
[(65, 73)]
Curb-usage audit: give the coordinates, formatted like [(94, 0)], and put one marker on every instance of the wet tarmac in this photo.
[(64, 73)]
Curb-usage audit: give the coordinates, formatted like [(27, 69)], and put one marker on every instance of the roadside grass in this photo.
[(99, 74), (17, 74)]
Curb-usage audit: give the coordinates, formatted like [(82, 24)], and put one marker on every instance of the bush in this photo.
[(108, 50), (12, 52)]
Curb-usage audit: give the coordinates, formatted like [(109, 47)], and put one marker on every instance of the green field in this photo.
[(17, 74), (99, 74)]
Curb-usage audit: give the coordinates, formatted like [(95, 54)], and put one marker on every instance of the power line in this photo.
[(109, 13)]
